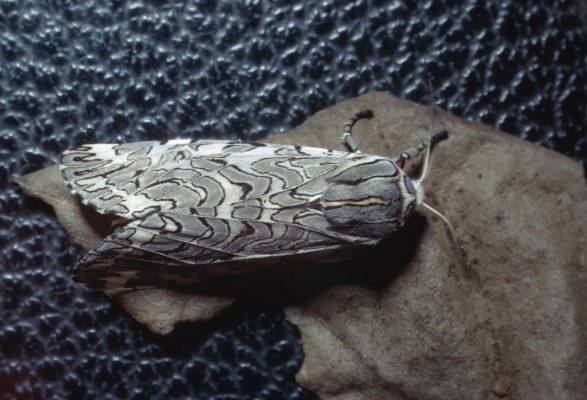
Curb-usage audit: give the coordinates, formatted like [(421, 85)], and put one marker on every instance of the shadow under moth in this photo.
[(194, 210)]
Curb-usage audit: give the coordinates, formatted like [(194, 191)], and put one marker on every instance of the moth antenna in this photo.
[(415, 151), (440, 215), (454, 239), (432, 140), (426, 165)]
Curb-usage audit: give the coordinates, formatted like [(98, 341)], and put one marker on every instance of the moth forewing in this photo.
[(209, 208)]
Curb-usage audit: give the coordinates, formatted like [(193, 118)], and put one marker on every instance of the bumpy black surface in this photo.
[(72, 73)]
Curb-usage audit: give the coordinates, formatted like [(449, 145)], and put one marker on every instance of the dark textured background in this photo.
[(77, 72)]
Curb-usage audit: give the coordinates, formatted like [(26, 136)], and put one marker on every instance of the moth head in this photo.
[(411, 193), (420, 194)]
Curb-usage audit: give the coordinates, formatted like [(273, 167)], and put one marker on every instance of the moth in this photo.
[(194, 210)]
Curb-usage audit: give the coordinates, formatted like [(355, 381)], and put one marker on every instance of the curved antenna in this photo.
[(434, 211), (429, 143), (432, 140), (426, 165), (413, 152), (454, 240)]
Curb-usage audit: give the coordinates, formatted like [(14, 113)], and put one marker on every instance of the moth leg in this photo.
[(347, 135), (415, 151)]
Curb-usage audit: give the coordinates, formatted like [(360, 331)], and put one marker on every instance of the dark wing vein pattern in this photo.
[(205, 208)]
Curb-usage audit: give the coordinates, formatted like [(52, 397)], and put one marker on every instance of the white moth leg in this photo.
[(347, 135)]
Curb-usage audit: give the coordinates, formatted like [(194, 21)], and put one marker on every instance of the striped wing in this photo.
[(203, 208), (180, 247), (133, 179)]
